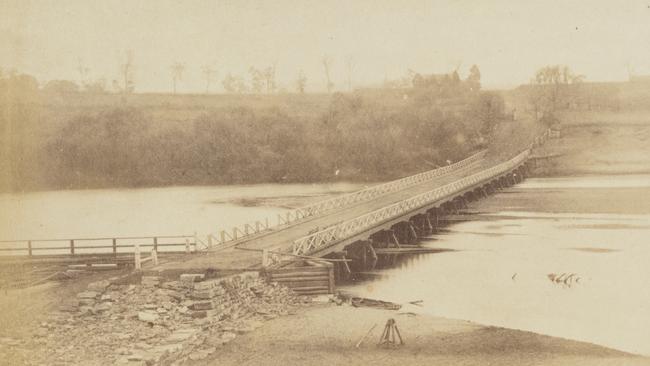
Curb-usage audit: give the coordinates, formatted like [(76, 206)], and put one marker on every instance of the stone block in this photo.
[(202, 305), (147, 316), (203, 294), (87, 295), (99, 286), (189, 278)]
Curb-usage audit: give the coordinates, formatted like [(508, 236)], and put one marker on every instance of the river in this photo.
[(596, 228)]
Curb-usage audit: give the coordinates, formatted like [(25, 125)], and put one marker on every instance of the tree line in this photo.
[(359, 137)]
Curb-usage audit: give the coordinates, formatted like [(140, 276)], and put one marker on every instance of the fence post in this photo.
[(29, 247), (265, 258), (223, 236), (187, 245), (72, 246), (154, 256), (114, 246), (210, 241), (138, 263), (155, 243)]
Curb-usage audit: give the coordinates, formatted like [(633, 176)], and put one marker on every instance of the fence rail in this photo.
[(235, 234), (324, 238), (105, 246)]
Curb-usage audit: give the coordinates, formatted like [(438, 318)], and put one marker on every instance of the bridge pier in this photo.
[(433, 219)]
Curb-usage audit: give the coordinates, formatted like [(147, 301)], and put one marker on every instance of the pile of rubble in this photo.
[(158, 322)]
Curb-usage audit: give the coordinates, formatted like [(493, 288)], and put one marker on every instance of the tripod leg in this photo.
[(399, 335), (383, 336)]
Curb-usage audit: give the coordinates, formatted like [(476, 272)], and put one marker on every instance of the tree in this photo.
[(552, 88), (488, 108), (301, 82), (177, 69), (83, 72), (209, 72), (269, 79), (349, 68), (327, 64), (474, 79), (96, 87), (257, 80), (125, 84), (61, 87), (234, 84)]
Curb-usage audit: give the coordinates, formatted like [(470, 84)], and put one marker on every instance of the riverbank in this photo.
[(606, 142), (326, 334), (316, 332)]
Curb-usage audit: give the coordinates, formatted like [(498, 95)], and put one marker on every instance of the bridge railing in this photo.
[(324, 238), (235, 234)]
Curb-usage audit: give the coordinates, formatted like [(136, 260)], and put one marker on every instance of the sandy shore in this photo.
[(327, 335)]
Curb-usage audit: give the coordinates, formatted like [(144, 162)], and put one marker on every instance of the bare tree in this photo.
[(209, 73), (83, 72), (177, 69), (125, 85), (301, 82), (269, 78), (349, 69), (327, 65), (257, 80), (552, 88)]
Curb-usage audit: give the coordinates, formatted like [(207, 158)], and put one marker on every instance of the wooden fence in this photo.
[(101, 246)]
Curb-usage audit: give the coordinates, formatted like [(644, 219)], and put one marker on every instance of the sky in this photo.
[(508, 39)]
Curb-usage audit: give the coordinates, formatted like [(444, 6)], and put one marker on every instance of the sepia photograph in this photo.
[(324, 182)]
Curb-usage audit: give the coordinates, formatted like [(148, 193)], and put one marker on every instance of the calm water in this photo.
[(499, 273), (148, 212), (497, 276)]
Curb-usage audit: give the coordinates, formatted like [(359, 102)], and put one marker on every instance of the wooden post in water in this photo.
[(29, 247), (373, 255), (187, 246), (72, 246), (155, 243), (330, 275), (114, 246)]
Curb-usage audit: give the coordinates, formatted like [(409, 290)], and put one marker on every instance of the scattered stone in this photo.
[(203, 294), (199, 314), (150, 281), (227, 337), (102, 307), (146, 316), (88, 295), (202, 305), (158, 322), (99, 286), (189, 278), (198, 355)]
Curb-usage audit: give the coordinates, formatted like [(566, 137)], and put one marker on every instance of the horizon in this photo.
[(508, 40)]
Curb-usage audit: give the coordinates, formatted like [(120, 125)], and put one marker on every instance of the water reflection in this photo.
[(574, 275)]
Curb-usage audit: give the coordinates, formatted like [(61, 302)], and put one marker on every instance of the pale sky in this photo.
[(507, 39)]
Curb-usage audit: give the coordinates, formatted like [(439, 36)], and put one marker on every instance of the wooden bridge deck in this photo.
[(282, 240)]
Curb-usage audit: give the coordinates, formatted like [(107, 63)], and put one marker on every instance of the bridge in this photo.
[(353, 232), (356, 231)]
